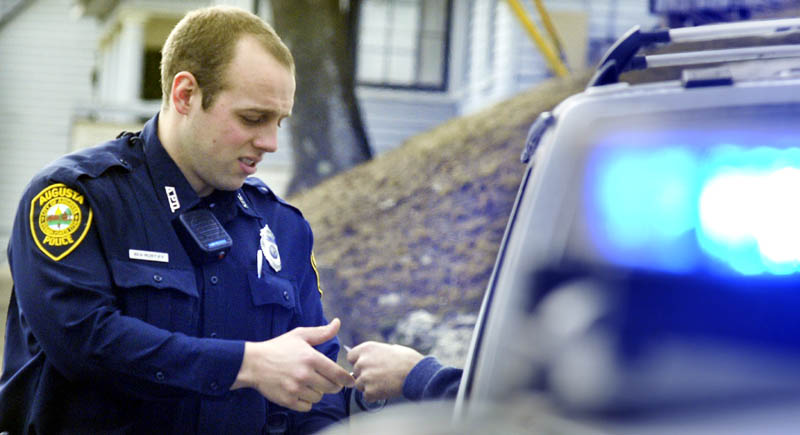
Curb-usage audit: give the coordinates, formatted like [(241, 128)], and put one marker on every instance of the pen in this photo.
[(259, 262)]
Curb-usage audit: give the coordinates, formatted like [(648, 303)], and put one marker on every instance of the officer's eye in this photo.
[(250, 120)]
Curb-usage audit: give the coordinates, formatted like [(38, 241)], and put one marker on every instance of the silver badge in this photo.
[(269, 248)]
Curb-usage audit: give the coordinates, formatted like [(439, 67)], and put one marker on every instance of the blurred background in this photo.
[(403, 151)]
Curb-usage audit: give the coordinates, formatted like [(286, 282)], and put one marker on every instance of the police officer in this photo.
[(157, 288)]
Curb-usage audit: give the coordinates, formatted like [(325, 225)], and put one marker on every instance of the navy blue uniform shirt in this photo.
[(113, 328)]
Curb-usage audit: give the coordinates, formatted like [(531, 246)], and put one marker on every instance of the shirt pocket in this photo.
[(277, 295), (164, 297)]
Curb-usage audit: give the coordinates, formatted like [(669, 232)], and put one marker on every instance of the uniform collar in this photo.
[(175, 193), (243, 203), (226, 205)]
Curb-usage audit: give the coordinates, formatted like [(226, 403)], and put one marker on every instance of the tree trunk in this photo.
[(327, 131)]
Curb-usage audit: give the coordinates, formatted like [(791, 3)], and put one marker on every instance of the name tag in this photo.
[(136, 254)]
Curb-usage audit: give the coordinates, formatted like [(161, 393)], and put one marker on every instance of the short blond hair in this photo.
[(204, 43)]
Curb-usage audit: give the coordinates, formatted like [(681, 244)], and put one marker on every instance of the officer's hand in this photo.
[(288, 371), (381, 369)]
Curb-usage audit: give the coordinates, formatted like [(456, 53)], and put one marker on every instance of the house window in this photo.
[(403, 43)]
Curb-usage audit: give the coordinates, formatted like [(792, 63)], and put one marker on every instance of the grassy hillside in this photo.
[(419, 227)]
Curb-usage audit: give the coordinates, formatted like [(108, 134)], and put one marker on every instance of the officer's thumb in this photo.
[(320, 334)]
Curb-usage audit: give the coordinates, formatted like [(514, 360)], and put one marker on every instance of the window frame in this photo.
[(415, 84)]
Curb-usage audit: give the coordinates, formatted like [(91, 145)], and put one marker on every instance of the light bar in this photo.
[(681, 207)]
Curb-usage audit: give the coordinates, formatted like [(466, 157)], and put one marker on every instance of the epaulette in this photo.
[(261, 187), (94, 161)]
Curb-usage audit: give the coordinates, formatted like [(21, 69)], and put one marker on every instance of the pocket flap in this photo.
[(271, 289), (128, 274)]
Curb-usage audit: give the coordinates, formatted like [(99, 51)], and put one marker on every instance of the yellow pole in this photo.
[(548, 25), (552, 59)]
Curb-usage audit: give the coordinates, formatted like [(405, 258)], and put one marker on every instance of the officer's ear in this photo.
[(184, 90)]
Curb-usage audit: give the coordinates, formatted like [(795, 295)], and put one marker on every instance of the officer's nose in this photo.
[(267, 139)]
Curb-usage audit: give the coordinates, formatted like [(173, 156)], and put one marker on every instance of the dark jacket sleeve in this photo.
[(429, 379), (72, 311)]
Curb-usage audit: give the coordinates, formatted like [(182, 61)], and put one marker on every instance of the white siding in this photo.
[(46, 59), (513, 47), (390, 117), (482, 47), (516, 63)]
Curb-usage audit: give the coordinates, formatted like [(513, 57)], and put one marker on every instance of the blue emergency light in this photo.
[(687, 200)]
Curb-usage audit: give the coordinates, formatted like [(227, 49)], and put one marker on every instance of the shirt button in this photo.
[(214, 280), (160, 376), (285, 295), (157, 278), (214, 386)]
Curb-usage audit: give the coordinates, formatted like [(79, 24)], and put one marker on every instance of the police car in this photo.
[(649, 277), (651, 264)]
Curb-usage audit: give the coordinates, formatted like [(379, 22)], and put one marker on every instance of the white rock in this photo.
[(389, 300)]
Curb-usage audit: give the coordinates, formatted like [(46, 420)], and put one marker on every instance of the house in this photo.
[(76, 72)]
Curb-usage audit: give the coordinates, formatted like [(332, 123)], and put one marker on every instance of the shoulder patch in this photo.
[(60, 219)]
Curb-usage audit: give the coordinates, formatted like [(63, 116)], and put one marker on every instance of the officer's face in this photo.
[(226, 141)]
